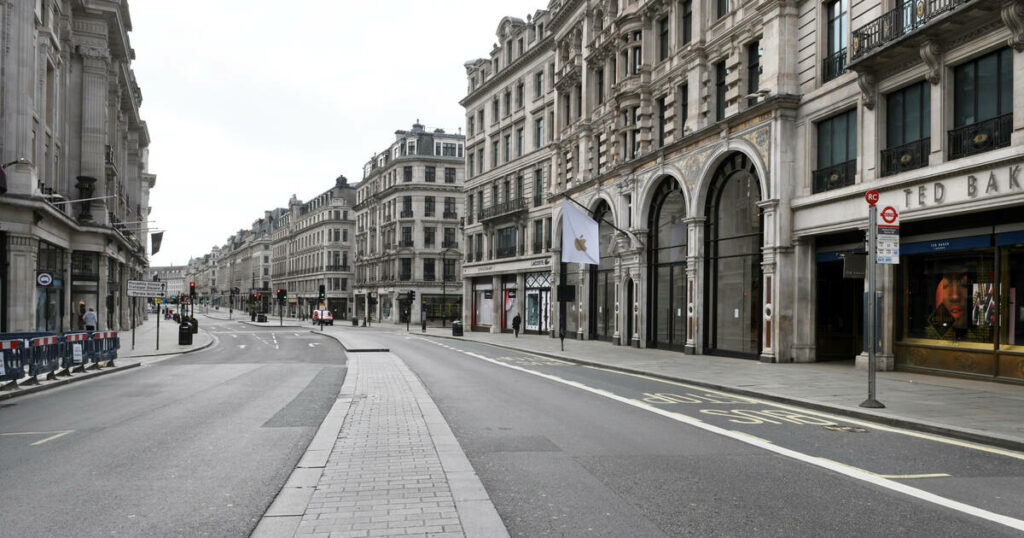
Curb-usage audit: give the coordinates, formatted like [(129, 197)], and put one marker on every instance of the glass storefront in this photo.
[(509, 301), (962, 305), (538, 302), (572, 312), (50, 295), (667, 256), (483, 302), (734, 261), (85, 286), (442, 307), (602, 280)]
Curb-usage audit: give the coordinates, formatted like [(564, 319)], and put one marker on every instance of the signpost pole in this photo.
[(871, 402), (158, 303), (134, 304)]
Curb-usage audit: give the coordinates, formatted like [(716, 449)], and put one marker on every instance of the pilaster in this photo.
[(22, 252)]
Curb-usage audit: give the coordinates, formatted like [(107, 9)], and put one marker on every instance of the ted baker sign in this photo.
[(996, 182)]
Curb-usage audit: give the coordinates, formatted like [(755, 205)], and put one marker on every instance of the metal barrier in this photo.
[(12, 365), (78, 350), (106, 344), (44, 353)]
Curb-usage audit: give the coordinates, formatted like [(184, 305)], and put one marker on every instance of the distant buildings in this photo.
[(74, 192), (409, 210)]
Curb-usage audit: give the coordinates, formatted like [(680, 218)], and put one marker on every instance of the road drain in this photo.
[(849, 429)]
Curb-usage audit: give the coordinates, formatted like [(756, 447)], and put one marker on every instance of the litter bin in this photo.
[(185, 334), (261, 318), (195, 325), (456, 328), (355, 322)]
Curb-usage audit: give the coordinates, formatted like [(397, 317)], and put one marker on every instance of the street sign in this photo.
[(871, 196), (146, 288), (887, 246), (159, 300), (44, 279)]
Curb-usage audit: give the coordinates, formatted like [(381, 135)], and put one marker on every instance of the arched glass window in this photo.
[(667, 257), (602, 278)]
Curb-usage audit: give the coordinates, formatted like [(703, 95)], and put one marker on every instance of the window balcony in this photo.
[(980, 137), (449, 244), (405, 214), (451, 215), (505, 252), (902, 26), (834, 177), (405, 243), (833, 66), (906, 157), (503, 209), (479, 256), (538, 200), (343, 268)]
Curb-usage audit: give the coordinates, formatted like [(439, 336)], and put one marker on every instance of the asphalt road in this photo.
[(568, 450), (191, 445)]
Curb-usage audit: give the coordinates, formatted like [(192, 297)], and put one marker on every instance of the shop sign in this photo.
[(965, 188), (44, 279)]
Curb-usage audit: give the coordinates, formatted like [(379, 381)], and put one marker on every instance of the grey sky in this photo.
[(248, 104)]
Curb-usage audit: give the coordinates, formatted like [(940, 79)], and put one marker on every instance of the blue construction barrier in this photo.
[(44, 353), (106, 344), (80, 342), (12, 365)]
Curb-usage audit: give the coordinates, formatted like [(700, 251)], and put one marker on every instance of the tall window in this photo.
[(687, 21), (638, 57), (907, 128), (406, 236), (405, 269), (599, 82), (506, 242), (661, 121), (428, 269), (428, 206), (539, 127), (508, 147), (495, 113), (520, 95), (723, 8), (449, 207), (494, 154), (662, 38), (720, 88), (684, 109), (538, 236), (982, 104), (407, 173), (428, 237), (508, 103), (429, 173), (753, 70), (519, 142), (538, 83), (837, 151), (449, 173), (835, 60)]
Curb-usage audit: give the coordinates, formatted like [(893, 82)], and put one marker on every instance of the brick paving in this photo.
[(384, 476)]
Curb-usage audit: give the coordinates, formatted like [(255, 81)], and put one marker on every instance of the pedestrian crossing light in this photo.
[(322, 292)]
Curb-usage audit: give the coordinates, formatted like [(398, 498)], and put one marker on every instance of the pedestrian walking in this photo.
[(90, 319), (516, 321)]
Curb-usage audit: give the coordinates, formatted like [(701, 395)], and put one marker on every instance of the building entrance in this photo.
[(840, 314)]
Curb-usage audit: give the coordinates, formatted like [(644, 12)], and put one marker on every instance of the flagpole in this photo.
[(591, 214)]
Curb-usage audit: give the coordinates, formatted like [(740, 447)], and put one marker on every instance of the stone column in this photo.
[(95, 63), (496, 305), (770, 286), (805, 307), (695, 227), (22, 253), (468, 299)]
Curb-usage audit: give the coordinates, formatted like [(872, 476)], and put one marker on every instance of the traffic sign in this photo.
[(146, 288), (889, 215), (871, 196)]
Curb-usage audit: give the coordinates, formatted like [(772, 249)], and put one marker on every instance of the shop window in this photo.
[(950, 297), (837, 152), (907, 128), (982, 104)]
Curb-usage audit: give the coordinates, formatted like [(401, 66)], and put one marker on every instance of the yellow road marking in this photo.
[(874, 425)]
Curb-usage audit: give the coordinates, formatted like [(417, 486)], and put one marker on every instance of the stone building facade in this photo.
[(409, 208), (312, 246), (74, 195), (725, 148)]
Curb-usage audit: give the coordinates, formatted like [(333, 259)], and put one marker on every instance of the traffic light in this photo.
[(181, 300), (412, 295), (192, 289), (322, 293), (282, 294)]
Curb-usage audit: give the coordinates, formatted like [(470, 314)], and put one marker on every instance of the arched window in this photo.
[(602, 278), (667, 263)]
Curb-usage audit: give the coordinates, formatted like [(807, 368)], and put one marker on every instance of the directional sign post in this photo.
[(872, 198), (146, 288)]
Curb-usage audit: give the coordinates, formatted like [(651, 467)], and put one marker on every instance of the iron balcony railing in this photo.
[(909, 156), (333, 267), (506, 252), (896, 23), (450, 215), (834, 177), (505, 208), (406, 214), (405, 243), (449, 244), (833, 65), (980, 137)]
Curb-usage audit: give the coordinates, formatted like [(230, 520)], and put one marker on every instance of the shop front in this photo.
[(85, 285), (483, 304), (538, 303), (50, 279)]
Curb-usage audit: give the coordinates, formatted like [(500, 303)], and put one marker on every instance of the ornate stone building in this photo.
[(725, 148), (74, 196), (408, 212)]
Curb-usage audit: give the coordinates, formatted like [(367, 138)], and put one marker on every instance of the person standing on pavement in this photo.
[(89, 319), (516, 322)]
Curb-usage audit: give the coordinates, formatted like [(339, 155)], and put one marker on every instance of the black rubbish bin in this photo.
[(185, 334), (355, 322), (195, 325), (456, 328), (262, 318)]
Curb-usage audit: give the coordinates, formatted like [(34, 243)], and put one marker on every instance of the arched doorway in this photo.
[(602, 279), (666, 327), (733, 248)]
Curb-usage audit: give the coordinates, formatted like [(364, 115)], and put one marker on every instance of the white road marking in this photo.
[(840, 468), (241, 346), (60, 433), (52, 437), (311, 344)]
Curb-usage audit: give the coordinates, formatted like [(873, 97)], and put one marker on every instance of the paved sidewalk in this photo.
[(973, 410), (383, 463)]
